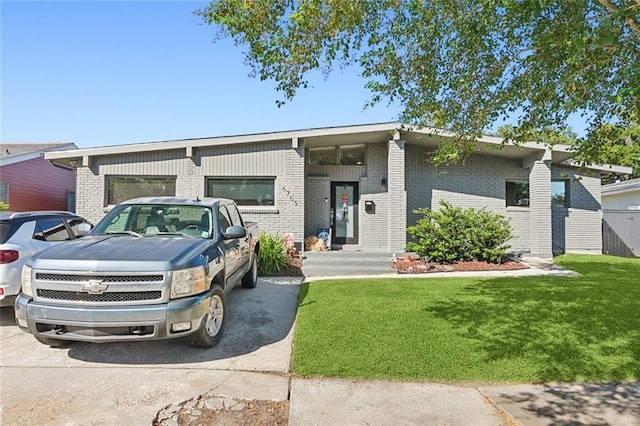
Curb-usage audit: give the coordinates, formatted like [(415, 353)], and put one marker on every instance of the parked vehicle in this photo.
[(24, 234), (152, 268)]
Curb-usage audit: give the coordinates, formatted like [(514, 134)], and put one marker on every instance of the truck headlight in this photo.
[(27, 290), (187, 282)]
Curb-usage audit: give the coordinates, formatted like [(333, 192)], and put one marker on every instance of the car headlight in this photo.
[(27, 290), (187, 282)]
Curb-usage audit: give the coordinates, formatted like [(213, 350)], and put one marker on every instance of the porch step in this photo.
[(345, 262)]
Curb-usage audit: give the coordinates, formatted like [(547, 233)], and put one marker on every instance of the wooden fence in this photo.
[(621, 232)]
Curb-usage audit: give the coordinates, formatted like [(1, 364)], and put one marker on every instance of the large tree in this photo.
[(453, 64)]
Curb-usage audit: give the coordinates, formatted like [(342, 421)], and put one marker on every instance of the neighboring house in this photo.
[(362, 182), (623, 195), (29, 182)]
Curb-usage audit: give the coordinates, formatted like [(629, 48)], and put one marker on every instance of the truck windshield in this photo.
[(157, 219)]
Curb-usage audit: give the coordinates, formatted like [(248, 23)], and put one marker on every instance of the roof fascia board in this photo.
[(624, 186), (29, 156), (20, 158), (491, 140), (610, 168), (189, 144), (620, 189), (222, 140)]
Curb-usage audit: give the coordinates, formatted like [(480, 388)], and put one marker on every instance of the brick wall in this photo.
[(290, 199), (479, 182), (90, 193), (277, 159), (396, 181), (373, 225), (398, 178), (540, 219), (578, 227), (190, 183), (317, 213)]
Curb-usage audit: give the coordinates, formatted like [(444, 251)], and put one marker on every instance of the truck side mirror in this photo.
[(233, 232), (83, 229)]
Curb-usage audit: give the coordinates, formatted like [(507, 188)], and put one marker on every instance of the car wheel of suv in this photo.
[(54, 343), (210, 331), (250, 279)]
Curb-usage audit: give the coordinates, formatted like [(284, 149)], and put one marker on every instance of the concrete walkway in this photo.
[(357, 264), (356, 402)]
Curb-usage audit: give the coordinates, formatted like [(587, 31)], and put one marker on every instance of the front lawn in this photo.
[(529, 329)]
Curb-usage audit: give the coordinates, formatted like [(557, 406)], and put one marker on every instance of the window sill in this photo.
[(258, 210), (517, 208)]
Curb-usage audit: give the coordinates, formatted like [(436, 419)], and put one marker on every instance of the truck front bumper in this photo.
[(177, 318)]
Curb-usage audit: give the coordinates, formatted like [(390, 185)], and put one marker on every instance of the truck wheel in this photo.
[(210, 331), (250, 279), (54, 343)]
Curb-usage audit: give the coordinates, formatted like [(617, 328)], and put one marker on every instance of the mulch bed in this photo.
[(419, 266), (294, 269)]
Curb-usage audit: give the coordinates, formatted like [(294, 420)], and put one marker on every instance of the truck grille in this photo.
[(116, 296), (104, 278)]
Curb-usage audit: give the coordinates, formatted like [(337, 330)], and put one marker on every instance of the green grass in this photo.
[(529, 329)]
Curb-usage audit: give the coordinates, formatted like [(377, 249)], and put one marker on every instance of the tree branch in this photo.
[(615, 9)]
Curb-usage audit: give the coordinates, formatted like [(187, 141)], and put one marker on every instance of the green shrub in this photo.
[(3, 206), (451, 234), (273, 256)]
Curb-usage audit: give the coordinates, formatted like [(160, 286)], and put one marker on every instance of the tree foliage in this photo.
[(613, 143), (453, 64)]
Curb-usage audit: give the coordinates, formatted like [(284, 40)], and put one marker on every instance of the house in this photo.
[(29, 182), (623, 195), (361, 182)]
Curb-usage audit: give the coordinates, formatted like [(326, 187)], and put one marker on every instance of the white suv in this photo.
[(24, 234)]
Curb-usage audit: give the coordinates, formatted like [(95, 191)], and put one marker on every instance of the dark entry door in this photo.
[(344, 212)]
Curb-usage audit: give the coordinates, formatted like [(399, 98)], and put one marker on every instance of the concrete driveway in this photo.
[(128, 383)]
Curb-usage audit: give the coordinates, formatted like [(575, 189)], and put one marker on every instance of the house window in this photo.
[(352, 155), (517, 193), (244, 191), (121, 188), (4, 192), (322, 156), (344, 155), (560, 193)]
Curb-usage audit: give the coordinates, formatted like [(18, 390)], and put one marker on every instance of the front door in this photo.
[(344, 213)]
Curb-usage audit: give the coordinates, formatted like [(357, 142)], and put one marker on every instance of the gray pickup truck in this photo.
[(152, 268)]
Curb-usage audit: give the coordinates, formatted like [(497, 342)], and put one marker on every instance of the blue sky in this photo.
[(100, 73)]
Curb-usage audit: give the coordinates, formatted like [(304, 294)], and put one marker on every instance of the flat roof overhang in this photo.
[(328, 136)]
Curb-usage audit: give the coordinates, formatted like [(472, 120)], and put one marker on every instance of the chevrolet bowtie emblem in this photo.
[(95, 287)]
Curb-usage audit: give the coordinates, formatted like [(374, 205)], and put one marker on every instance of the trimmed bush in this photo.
[(453, 234), (273, 255)]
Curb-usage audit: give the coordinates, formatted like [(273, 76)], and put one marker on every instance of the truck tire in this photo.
[(210, 331), (250, 279), (54, 343)]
